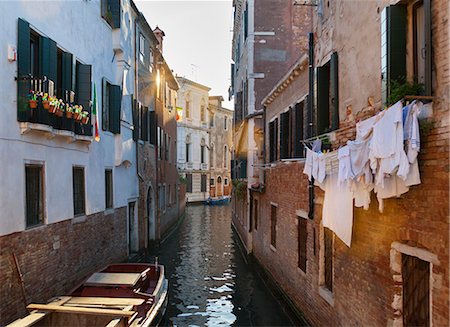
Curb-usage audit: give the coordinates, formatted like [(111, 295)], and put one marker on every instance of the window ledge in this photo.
[(274, 249), (50, 132), (109, 211), (79, 219), (327, 295)]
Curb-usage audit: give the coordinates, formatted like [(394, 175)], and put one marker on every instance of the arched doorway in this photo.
[(219, 186), (150, 204)]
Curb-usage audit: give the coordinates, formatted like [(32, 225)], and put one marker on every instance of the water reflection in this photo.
[(209, 282)]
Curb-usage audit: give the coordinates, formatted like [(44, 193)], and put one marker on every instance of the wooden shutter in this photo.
[(334, 91), (152, 118), (275, 143), (23, 69), (284, 135), (105, 105), (298, 129), (48, 62), (428, 49), (323, 100), (67, 71), (397, 42), (238, 108), (145, 124), (246, 21), (272, 141), (135, 111), (115, 104), (243, 168), (114, 7), (84, 92), (273, 226)]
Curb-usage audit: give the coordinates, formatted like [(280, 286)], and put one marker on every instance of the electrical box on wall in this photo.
[(12, 53)]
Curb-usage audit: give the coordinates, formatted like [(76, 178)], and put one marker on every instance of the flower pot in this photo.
[(59, 113), (33, 104), (51, 109), (46, 104), (85, 120), (76, 116), (69, 114)]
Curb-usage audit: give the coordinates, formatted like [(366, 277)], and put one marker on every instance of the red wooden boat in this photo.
[(129, 294)]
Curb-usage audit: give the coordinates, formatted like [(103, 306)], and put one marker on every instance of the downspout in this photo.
[(311, 116), (133, 102), (264, 146)]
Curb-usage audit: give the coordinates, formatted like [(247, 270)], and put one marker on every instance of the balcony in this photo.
[(203, 166), (42, 121)]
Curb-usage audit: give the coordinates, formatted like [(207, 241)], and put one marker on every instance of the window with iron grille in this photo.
[(108, 189), (273, 226), (34, 188), (78, 191), (328, 258), (416, 291), (302, 237)]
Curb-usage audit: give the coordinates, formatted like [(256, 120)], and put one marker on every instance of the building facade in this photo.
[(268, 37), (220, 147), (193, 138), (395, 271), (75, 197)]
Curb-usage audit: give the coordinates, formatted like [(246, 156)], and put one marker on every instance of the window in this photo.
[(273, 140), (202, 153), (298, 129), (225, 123), (255, 213), (34, 54), (188, 109), (189, 183), (211, 181), (416, 291), (211, 156), (285, 135), (110, 10), (78, 191), (225, 181), (225, 156), (203, 183), (273, 226), (188, 145), (328, 259), (34, 189), (112, 101), (108, 189), (302, 238), (327, 100), (202, 113), (162, 197), (211, 120), (166, 146), (141, 47)]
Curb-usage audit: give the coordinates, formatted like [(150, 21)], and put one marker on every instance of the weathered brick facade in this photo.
[(54, 258), (367, 277)]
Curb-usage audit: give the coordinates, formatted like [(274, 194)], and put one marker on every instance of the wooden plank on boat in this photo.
[(29, 320), (60, 300), (112, 279), (81, 310), (116, 323), (106, 300)]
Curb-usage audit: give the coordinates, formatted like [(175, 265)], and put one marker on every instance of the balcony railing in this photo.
[(40, 115)]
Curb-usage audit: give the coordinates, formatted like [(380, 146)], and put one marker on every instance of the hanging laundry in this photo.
[(345, 169), (308, 163), (364, 127), (411, 135), (337, 212)]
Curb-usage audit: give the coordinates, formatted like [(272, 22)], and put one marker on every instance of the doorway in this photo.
[(219, 186)]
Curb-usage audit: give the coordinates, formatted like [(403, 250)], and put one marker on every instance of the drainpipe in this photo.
[(264, 146), (311, 116)]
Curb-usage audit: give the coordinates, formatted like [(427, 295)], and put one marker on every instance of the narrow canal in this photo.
[(209, 280)]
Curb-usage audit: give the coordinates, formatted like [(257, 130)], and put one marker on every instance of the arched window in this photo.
[(225, 123), (219, 180), (211, 156), (202, 151)]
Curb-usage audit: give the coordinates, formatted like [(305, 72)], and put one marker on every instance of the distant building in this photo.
[(220, 147), (193, 138)]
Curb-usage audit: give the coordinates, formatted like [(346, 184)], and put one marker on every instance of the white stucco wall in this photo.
[(77, 27)]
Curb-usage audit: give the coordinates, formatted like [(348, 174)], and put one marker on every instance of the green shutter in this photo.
[(146, 124), (428, 52), (105, 105), (67, 73), (275, 139), (23, 69), (334, 91), (299, 129), (397, 43), (152, 127), (114, 7), (135, 111), (323, 101), (84, 91), (115, 104)]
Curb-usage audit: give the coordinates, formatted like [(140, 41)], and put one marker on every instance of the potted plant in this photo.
[(45, 101), (69, 112), (32, 99), (59, 109), (53, 105), (85, 117), (77, 111)]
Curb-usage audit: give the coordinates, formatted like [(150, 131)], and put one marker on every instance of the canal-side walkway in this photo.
[(210, 282)]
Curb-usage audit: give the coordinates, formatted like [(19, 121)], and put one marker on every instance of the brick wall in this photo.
[(54, 258)]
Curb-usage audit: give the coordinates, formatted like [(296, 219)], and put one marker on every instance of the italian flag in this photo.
[(94, 115)]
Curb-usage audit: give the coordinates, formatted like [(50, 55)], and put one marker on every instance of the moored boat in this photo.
[(218, 201), (129, 294)]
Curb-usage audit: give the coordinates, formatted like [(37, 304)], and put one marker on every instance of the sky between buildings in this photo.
[(198, 38)]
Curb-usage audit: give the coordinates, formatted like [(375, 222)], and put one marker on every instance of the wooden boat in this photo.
[(218, 201), (128, 294)]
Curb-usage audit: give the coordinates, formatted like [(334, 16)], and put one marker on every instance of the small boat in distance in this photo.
[(128, 294), (218, 201)]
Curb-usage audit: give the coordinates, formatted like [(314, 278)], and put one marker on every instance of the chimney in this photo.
[(159, 33)]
